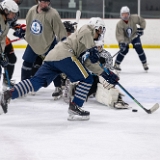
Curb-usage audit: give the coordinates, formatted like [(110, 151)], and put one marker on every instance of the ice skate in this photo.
[(5, 98), (120, 104), (76, 113), (57, 94), (117, 67), (145, 66)]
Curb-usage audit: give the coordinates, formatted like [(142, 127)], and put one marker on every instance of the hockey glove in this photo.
[(111, 77), (4, 60), (122, 46), (139, 31), (20, 30), (93, 55), (18, 26)]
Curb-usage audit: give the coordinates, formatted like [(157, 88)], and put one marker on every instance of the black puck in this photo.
[(134, 110)]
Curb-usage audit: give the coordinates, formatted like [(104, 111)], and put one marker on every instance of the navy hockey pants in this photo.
[(137, 46), (49, 71), (29, 58)]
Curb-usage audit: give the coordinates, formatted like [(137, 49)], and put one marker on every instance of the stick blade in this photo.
[(78, 15), (154, 108)]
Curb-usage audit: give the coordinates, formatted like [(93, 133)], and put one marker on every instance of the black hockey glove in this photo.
[(4, 60), (111, 78), (19, 33), (93, 55), (122, 47), (139, 31)]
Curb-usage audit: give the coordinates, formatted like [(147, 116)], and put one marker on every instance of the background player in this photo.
[(8, 12), (126, 33), (40, 34), (9, 51)]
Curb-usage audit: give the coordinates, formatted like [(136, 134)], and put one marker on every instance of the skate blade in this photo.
[(117, 72), (1, 110), (57, 98), (78, 118), (32, 93), (122, 107)]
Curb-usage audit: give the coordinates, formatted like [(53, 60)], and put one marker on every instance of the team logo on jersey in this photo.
[(36, 27), (129, 32)]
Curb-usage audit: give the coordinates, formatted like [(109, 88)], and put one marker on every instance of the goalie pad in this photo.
[(110, 97), (105, 84), (107, 96)]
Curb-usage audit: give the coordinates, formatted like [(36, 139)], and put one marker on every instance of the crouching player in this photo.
[(107, 93)]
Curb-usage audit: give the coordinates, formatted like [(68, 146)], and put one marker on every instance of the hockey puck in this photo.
[(134, 110)]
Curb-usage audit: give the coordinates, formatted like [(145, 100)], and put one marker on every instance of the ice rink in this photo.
[(36, 127)]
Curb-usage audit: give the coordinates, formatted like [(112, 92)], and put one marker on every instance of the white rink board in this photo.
[(150, 37)]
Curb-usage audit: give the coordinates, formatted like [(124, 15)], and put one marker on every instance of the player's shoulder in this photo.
[(52, 11), (132, 16), (120, 23), (87, 28), (33, 8)]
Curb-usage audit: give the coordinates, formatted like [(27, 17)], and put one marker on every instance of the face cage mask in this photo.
[(101, 36), (125, 19), (13, 19), (108, 59)]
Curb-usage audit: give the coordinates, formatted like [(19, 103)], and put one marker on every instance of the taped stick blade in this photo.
[(154, 108), (78, 15)]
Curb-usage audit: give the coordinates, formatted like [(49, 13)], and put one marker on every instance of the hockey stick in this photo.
[(149, 111), (15, 40), (119, 51), (78, 16), (115, 54), (5, 69)]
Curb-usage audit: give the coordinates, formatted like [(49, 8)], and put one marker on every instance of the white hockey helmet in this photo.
[(9, 6), (99, 24), (125, 9)]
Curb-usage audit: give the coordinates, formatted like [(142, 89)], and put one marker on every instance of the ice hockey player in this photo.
[(64, 59), (107, 93), (41, 34), (126, 33), (9, 51), (8, 12), (104, 92)]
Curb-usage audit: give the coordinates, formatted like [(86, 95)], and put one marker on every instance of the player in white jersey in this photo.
[(106, 93)]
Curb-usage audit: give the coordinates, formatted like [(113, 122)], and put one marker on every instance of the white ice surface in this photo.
[(36, 127)]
